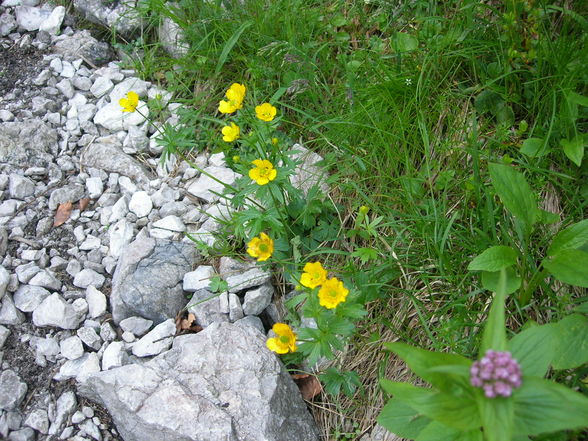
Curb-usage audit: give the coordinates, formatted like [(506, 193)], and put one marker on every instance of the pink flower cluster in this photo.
[(497, 373)]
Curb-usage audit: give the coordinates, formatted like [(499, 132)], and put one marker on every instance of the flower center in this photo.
[(333, 293), (284, 339), (263, 247), (263, 172)]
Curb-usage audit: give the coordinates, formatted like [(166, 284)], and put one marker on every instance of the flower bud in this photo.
[(497, 373)]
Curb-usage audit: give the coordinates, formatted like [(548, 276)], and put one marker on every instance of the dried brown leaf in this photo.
[(309, 385), (84, 203), (62, 214)]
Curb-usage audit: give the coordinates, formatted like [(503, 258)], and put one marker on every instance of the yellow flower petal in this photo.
[(230, 132), (314, 275), (263, 172), (265, 112), (261, 247), (273, 344), (332, 293)]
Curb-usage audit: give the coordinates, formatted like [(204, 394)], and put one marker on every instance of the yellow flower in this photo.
[(265, 112), (235, 95), (364, 210), (236, 159), (263, 172), (285, 341), (230, 132), (261, 247), (130, 103), (314, 275), (332, 293), (275, 141)]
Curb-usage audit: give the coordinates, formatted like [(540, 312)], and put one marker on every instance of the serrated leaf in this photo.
[(534, 147), (571, 237), (574, 149), (490, 280), (572, 350), (515, 193), (534, 349), (494, 259), (543, 406), (569, 266)]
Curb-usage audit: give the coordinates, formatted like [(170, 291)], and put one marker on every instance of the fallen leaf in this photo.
[(309, 385), (187, 325), (62, 214), (84, 203)]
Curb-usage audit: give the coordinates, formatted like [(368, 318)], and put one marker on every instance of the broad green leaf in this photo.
[(436, 431), (406, 42), (515, 193), (421, 361), (571, 237), (547, 217), (401, 419), (497, 418), (534, 147), (494, 259), (534, 349), (455, 410), (494, 336), (504, 114), (583, 308), (569, 266), (574, 149), (490, 280), (572, 348), (577, 99), (543, 406), (488, 101)]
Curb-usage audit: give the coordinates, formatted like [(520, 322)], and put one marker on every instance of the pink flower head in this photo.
[(497, 373)]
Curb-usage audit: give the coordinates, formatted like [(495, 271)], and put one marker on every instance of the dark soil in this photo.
[(17, 65)]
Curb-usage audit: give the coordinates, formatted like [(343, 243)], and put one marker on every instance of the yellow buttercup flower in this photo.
[(263, 172), (265, 112), (332, 293), (235, 95), (275, 141), (261, 247), (314, 275), (130, 103), (284, 342), (231, 132)]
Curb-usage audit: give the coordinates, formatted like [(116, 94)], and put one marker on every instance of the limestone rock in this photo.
[(256, 300), (27, 143), (156, 341), (12, 390), (55, 311), (147, 281), (206, 307), (204, 187), (219, 384)]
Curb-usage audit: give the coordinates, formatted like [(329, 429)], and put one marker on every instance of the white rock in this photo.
[(56, 65), (156, 341), (90, 429), (119, 210), (138, 326), (8, 208), (20, 187), (31, 18), (53, 23), (95, 187), (4, 333), (4, 281), (79, 368), (217, 159), (121, 235), (96, 302), (167, 227), (235, 309), (28, 297), (112, 117), (248, 279), (87, 277), (9, 315), (141, 204), (55, 311), (251, 320), (90, 337), (127, 186), (205, 187), (130, 84), (198, 279), (257, 300), (101, 87), (38, 420), (7, 25), (91, 243), (71, 348), (66, 404), (113, 355), (46, 279)]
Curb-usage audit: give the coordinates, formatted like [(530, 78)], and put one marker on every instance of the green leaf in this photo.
[(572, 348), (494, 259), (494, 336), (543, 406), (490, 280), (365, 254), (333, 380), (571, 237), (534, 349), (577, 99), (569, 266), (574, 149), (515, 193), (455, 410), (406, 42), (547, 217), (497, 418), (401, 419), (488, 101), (421, 361), (229, 45), (583, 308), (534, 147), (436, 431)]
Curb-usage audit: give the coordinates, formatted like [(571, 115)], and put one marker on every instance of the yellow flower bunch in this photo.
[(261, 247), (264, 171), (332, 293), (231, 132), (130, 103), (314, 275), (284, 342), (265, 112), (235, 95)]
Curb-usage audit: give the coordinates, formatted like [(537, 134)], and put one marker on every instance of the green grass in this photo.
[(408, 134)]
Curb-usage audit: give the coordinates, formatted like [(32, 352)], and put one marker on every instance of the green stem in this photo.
[(537, 278)]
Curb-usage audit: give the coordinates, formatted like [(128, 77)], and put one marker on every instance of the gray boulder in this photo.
[(122, 16), (147, 281), (221, 384), (82, 45), (28, 143)]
